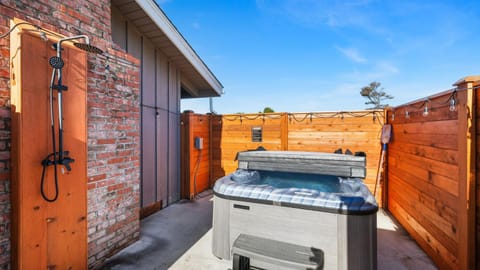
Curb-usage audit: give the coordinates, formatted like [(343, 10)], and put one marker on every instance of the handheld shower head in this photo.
[(56, 62), (87, 47)]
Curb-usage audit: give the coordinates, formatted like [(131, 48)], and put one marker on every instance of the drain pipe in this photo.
[(210, 101)]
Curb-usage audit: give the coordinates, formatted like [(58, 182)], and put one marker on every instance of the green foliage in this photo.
[(268, 110), (375, 95)]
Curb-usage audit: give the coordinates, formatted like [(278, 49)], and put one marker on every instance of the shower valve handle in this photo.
[(60, 87), (50, 160), (66, 162)]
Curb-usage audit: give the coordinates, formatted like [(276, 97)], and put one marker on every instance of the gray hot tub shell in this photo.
[(342, 225)]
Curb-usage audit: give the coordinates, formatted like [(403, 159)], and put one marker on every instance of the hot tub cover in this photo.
[(305, 162), (355, 197)]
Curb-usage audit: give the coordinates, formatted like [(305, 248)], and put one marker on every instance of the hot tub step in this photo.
[(271, 254)]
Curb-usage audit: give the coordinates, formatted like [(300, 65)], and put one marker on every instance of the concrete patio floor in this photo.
[(179, 237)]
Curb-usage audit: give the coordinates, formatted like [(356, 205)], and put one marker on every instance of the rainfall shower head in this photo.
[(56, 62), (87, 47), (83, 46)]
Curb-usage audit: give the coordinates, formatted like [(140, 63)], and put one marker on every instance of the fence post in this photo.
[(284, 131), (384, 188), (466, 164), (185, 145), (210, 150)]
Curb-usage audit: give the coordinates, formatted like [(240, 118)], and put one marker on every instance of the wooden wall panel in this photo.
[(134, 41), (174, 185), (148, 73), (477, 165), (173, 89), (324, 132), (162, 156), (358, 132), (233, 133), (162, 82), (160, 101), (200, 180), (424, 164), (195, 180), (149, 175), (48, 235)]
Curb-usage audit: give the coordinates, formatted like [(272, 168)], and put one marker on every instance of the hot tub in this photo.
[(316, 200)]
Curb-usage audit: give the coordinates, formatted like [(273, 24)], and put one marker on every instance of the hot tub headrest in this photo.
[(304, 162)]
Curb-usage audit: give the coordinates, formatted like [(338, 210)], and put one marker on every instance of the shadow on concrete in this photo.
[(179, 236), (396, 250), (165, 236)]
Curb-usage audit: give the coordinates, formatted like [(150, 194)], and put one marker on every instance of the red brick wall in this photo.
[(113, 124), (5, 206), (4, 179), (113, 156)]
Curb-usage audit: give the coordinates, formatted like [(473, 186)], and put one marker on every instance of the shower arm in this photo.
[(59, 51), (59, 43)]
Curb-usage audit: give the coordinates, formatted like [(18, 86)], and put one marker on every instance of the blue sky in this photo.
[(315, 55)]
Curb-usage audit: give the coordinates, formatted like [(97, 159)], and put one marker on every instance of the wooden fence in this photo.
[(431, 174), (195, 163), (477, 172), (476, 143), (431, 186), (226, 135)]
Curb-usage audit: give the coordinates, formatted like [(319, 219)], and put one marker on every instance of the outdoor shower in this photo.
[(60, 157)]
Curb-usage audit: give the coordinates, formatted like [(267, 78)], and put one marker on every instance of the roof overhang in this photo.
[(149, 19)]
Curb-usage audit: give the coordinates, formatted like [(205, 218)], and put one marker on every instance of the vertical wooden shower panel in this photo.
[(47, 234)]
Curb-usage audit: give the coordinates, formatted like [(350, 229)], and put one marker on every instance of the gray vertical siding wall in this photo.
[(174, 135), (162, 127), (149, 123), (160, 115)]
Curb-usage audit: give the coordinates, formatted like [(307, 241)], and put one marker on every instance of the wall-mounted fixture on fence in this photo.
[(453, 101), (425, 108), (256, 134)]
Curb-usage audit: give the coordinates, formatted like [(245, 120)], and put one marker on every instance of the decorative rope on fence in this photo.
[(426, 105), (301, 117), (262, 115), (376, 115)]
